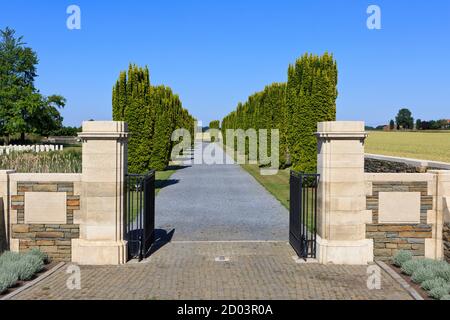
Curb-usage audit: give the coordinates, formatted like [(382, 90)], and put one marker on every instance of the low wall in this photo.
[(44, 213), (401, 206), (386, 164)]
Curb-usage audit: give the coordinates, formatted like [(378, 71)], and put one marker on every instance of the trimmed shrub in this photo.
[(295, 108), (27, 267), (401, 257), (433, 283), (152, 114), (39, 254), (9, 257), (439, 292), (409, 267), (423, 273), (8, 278), (444, 272)]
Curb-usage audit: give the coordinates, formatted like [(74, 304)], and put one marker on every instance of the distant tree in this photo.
[(404, 119), (22, 108), (392, 125), (418, 124)]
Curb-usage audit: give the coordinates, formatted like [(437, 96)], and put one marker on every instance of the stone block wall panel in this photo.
[(53, 239), (389, 238)]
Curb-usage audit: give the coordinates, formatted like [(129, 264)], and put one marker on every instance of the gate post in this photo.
[(342, 214), (102, 206)]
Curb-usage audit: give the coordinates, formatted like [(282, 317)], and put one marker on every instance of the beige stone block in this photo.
[(399, 207), (349, 203), (434, 249), (100, 189), (346, 175), (345, 252), (368, 188), (346, 147), (104, 126), (43, 177), (14, 245), (341, 126), (45, 208), (347, 232), (91, 174), (404, 177), (100, 232), (86, 252), (103, 160), (344, 189)]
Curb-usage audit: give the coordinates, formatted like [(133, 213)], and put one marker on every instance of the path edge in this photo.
[(394, 275), (34, 282)]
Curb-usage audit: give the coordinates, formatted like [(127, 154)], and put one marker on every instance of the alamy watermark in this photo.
[(374, 19), (74, 280), (73, 22)]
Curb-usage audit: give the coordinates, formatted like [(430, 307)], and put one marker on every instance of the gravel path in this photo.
[(219, 202)]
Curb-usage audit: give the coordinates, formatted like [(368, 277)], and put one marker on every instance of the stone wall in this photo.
[(446, 238), (375, 163), (384, 166), (391, 237), (53, 239)]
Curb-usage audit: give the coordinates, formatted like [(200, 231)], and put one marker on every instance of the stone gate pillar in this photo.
[(102, 198), (342, 214)]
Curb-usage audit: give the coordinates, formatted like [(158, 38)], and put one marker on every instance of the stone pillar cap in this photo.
[(341, 129), (104, 129)]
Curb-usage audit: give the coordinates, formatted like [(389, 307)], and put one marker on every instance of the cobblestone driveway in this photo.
[(188, 270)]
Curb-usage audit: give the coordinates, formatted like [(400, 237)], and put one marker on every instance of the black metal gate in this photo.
[(303, 213), (140, 214)]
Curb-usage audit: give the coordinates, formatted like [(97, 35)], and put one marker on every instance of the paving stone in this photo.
[(188, 270)]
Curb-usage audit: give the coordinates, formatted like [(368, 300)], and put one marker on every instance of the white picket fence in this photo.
[(31, 148)]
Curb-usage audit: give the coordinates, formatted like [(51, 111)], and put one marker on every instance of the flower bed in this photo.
[(19, 267), (432, 276)]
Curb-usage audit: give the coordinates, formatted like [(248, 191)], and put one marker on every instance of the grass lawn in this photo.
[(419, 145), (277, 185)]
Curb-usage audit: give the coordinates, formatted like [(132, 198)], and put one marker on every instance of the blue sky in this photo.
[(216, 53)]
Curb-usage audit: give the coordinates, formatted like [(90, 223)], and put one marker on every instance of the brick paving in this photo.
[(188, 270)]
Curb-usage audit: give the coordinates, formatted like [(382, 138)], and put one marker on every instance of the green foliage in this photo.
[(22, 108), (152, 114), (18, 266), (8, 278), (446, 297), (409, 267), (404, 119), (401, 257), (214, 124), (263, 110), (66, 132), (439, 292), (433, 283), (295, 108), (423, 273), (42, 256)]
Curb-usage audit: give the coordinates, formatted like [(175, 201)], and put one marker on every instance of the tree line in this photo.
[(405, 121), (152, 114), (23, 109), (295, 107)]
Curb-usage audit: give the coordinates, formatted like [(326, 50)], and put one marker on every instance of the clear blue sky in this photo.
[(216, 53)]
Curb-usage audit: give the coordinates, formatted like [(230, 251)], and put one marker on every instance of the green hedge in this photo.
[(152, 114), (295, 108)]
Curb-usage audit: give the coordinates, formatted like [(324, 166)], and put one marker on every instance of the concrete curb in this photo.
[(394, 275), (34, 282)]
